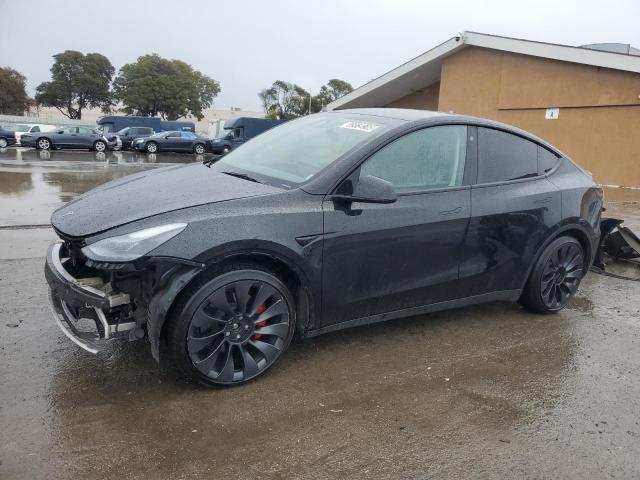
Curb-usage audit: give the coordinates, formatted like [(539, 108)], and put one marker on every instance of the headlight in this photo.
[(124, 248)]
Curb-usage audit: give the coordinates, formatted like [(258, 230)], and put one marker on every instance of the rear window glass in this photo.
[(546, 160), (503, 156)]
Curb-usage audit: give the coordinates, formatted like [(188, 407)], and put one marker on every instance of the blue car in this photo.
[(7, 138)]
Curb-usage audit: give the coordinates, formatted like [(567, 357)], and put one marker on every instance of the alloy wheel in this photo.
[(3, 143), (199, 149), (238, 331), (100, 146), (561, 275), (44, 144), (152, 147)]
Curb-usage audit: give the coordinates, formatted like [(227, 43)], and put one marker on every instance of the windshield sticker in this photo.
[(361, 126)]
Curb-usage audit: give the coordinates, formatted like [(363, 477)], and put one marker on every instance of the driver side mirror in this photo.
[(369, 189)]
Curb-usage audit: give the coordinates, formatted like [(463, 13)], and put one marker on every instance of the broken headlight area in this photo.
[(94, 302)]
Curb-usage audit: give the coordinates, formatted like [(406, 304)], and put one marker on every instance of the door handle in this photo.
[(543, 200), (451, 212)]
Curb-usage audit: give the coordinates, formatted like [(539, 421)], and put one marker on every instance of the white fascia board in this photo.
[(565, 53), (442, 50)]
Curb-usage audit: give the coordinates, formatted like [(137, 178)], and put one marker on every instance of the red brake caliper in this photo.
[(261, 324)]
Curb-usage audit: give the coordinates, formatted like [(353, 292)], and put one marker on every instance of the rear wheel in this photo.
[(152, 147), (231, 328), (226, 149), (43, 144), (555, 277)]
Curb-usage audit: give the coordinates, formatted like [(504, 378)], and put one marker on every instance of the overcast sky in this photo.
[(246, 45)]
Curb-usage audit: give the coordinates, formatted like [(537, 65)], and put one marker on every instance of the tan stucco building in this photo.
[(584, 100)]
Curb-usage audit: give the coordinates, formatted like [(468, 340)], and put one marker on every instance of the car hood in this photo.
[(150, 193)]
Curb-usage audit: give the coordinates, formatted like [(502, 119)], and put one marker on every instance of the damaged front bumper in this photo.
[(86, 309)]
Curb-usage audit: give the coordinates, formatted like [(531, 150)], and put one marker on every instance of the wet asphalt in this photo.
[(489, 391)]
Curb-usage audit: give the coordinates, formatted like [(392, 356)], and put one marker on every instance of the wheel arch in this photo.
[(575, 230), (46, 138), (281, 264)]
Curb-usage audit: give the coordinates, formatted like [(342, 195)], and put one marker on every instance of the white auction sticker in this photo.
[(362, 126)]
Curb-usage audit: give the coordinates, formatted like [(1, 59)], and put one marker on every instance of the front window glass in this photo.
[(125, 131), (297, 150), (422, 160), (188, 135)]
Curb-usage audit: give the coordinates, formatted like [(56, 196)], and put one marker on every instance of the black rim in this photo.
[(561, 275), (238, 331)]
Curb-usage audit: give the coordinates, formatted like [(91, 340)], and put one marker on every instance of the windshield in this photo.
[(225, 133), (297, 150), (22, 128)]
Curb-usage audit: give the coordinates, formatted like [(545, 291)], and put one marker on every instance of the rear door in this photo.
[(68, 137), (513, 210), (381, 258)]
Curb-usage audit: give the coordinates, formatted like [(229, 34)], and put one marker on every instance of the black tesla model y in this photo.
[(330, 221)]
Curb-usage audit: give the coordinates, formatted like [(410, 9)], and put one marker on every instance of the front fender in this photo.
[(169, 287)]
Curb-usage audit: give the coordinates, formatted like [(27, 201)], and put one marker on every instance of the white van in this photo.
[(23, 128)]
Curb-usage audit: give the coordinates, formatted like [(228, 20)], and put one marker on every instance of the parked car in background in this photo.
[(115, 123), (23, 128), (7, 138), (67, 137), (173, 142), (128, 134), (330, 221), (239, 130)]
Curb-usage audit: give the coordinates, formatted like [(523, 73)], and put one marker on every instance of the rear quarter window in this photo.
[(546, 160), (503, 156)]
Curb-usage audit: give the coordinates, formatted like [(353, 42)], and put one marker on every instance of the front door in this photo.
[(380, 258)]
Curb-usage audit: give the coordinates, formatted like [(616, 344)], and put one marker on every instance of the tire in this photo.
[(198, 149), (43, 144), (100, 146), (3, 143), (151, 147), (226, 150), (555, 277), (231, 326)]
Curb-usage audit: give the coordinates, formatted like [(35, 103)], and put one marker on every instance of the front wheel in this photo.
[(226, 150), (99, 146), (231, 328), (555, 277), (198, 149), (152, 147), (43, 144), (3, 143)]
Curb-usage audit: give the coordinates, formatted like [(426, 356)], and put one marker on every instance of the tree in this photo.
[(170, 88), (78, 81), (284, 100), (13, 94), (333, 90)]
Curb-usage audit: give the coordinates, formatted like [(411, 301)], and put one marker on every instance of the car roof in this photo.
[(405, 114), (411, 115)]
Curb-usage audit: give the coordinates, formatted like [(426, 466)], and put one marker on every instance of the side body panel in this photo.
[(384, 257), (509, 222)]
